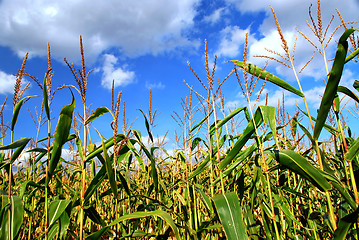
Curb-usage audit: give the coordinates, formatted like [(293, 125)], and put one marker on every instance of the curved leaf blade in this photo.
[(268, 114), (147, 125), (16, 209), (16, 111), (98, 112), (136, 215), (61, 136), (19, 150), (244, 137), (45, 96), (298, 164), (225, 120), (109, 169), (344, 225), (333, 82), (56, 208), (19, 143), (353, 151), (108, 143), (230, 214), (263, 74), (348, 92)]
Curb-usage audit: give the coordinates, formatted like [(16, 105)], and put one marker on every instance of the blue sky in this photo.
[(146, 44)]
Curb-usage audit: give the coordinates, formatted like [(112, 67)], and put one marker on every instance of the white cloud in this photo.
[(347, 79), (313, 97), (155, 85), (289, 20), (215, 16), (231, 105), (121, 76), (135, 27), (7, 83), (232, 39), (277, 96)]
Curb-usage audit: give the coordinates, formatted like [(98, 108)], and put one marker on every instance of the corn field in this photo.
[(255, 172)]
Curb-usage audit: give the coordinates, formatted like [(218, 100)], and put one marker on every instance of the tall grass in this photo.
[(272, 178)]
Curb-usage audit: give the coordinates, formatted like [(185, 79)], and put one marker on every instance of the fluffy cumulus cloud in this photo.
[(291, 19), (135, 27), (7, 83), (291, 15), (111, 72), (232, 37), (215, 16), (313, 97)]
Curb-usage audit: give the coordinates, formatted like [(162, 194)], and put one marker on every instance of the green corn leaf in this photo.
[(352, 55), (16, 111), (147, 125), (268, 114), (201, 122), (201, 168), (305, 130), (56, 209), (79, 147), (71, 137), (16, 209), (137, 155), (27, 183), (326, 126), (356, 85), (97, 235), (159, 213), (98, 112), (108, 144), (247, 133), (294, 125), (45, 96), (263, 74), (37, 150), (138, 215), (109, 169), (19, 143), (154, 173), (19, 150), (336, 104), (94, 216), (61, 136), (53, 231), (124, 183), (95, 183), (353, 151), (333, 82), (345, 224), (242, 156), (283, 205), (348, 92), (205, 199), (230, 214), (339, 186), (298, 164), (225, 120), (195, 142), (59, 228)]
